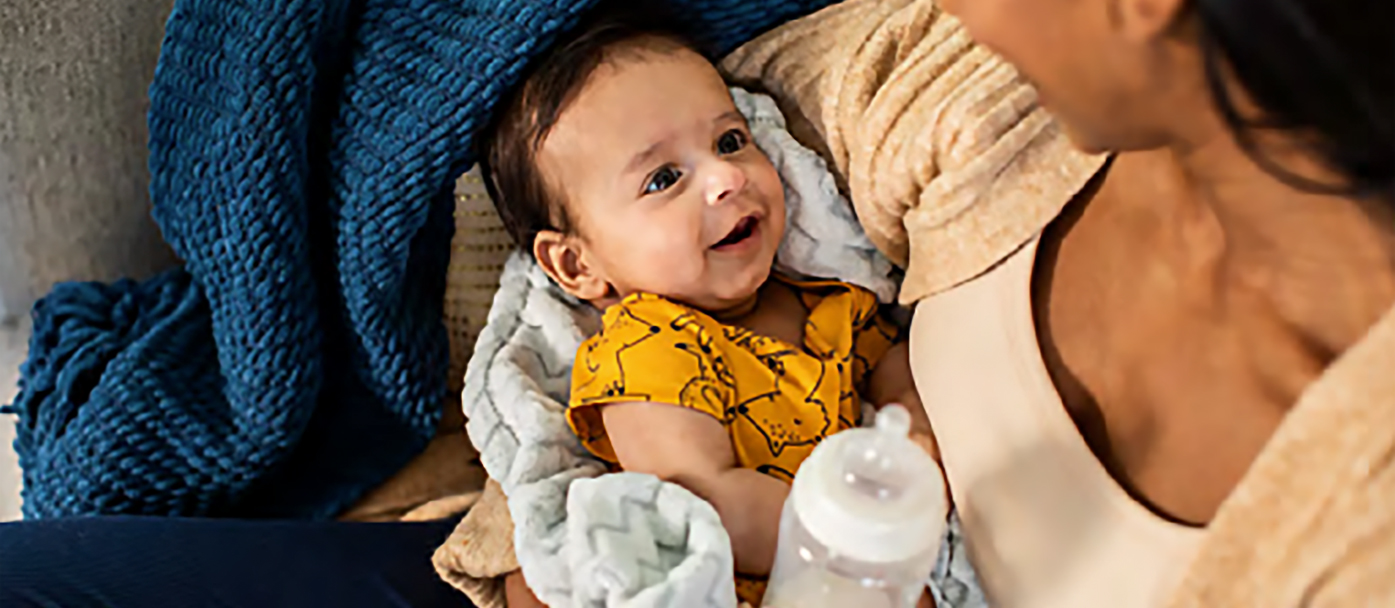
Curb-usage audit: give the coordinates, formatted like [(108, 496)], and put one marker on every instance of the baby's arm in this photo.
[(694, 450), (891, 382)]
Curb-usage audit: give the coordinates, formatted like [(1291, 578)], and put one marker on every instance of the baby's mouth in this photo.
[(745, 229)]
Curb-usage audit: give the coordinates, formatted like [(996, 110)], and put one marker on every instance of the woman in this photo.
[(1101, 396), (1238, 243)]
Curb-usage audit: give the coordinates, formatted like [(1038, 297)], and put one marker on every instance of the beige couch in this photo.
[(73, 178)]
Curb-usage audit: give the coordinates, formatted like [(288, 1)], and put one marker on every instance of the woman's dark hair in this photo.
[(1324, 69), (610, 30)]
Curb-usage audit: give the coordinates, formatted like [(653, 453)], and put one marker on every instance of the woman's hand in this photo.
[(926, 601), (517, 594), (891, 382), (926, 441)]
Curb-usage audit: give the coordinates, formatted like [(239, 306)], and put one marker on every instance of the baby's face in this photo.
[(665, 188)]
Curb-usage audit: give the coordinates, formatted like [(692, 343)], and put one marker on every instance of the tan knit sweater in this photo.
[(947, 157), (1312, 523), (951, 166)]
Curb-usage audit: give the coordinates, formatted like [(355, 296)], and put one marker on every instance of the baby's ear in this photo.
[(564, 259)]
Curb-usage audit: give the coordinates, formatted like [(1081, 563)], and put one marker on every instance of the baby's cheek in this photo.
[(771, 189), (667, 260), (761, 172)]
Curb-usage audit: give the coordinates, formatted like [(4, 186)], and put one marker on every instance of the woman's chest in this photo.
[(1174, 381), (1045, 521), (1175, 430)]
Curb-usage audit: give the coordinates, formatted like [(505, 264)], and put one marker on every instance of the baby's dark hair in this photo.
[(612, 28)]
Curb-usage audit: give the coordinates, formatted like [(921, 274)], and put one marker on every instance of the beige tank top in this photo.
[(1045, 524)]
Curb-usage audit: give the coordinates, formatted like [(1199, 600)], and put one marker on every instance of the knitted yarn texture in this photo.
[(302, 157)]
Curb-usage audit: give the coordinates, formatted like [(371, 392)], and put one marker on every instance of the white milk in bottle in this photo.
[(862, 525)]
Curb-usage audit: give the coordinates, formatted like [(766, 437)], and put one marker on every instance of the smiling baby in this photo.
[(624, 166)]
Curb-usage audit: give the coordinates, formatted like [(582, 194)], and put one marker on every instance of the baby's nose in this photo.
[(723, 180)]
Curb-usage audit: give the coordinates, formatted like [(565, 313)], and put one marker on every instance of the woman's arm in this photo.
[(694, 450)]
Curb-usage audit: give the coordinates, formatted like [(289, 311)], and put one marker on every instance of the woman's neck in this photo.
[(1325, 262), (1191, 290)]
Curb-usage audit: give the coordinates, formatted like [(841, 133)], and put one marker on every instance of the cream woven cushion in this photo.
[(446, 478), (477, 259)]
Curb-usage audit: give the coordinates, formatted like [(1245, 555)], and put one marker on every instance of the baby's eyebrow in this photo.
[(729, 116), (639, 160)]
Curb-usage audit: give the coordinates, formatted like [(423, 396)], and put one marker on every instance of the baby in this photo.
[(623, 165)]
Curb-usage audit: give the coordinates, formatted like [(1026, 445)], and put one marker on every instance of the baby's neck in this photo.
[(738, 312), (776, 312)]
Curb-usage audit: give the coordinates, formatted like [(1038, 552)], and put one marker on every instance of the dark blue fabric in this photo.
[(121, 562), (302, 159)]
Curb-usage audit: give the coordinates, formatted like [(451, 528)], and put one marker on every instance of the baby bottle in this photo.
[(861, 527)]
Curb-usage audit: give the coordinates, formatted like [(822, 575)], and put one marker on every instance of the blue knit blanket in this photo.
[(302, 158)]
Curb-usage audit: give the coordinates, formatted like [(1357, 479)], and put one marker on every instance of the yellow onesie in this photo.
[(777, 400)]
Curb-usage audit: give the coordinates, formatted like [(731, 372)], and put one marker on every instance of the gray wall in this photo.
[(73, 176)]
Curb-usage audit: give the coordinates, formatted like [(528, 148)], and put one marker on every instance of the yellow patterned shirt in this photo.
[(777, 400)]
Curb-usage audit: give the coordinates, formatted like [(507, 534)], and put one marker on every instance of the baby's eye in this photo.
[(731, 142), (661, 180)]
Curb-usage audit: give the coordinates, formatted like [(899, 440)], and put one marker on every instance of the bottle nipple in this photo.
[(872, 493), (894, 420), (875, 468)]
